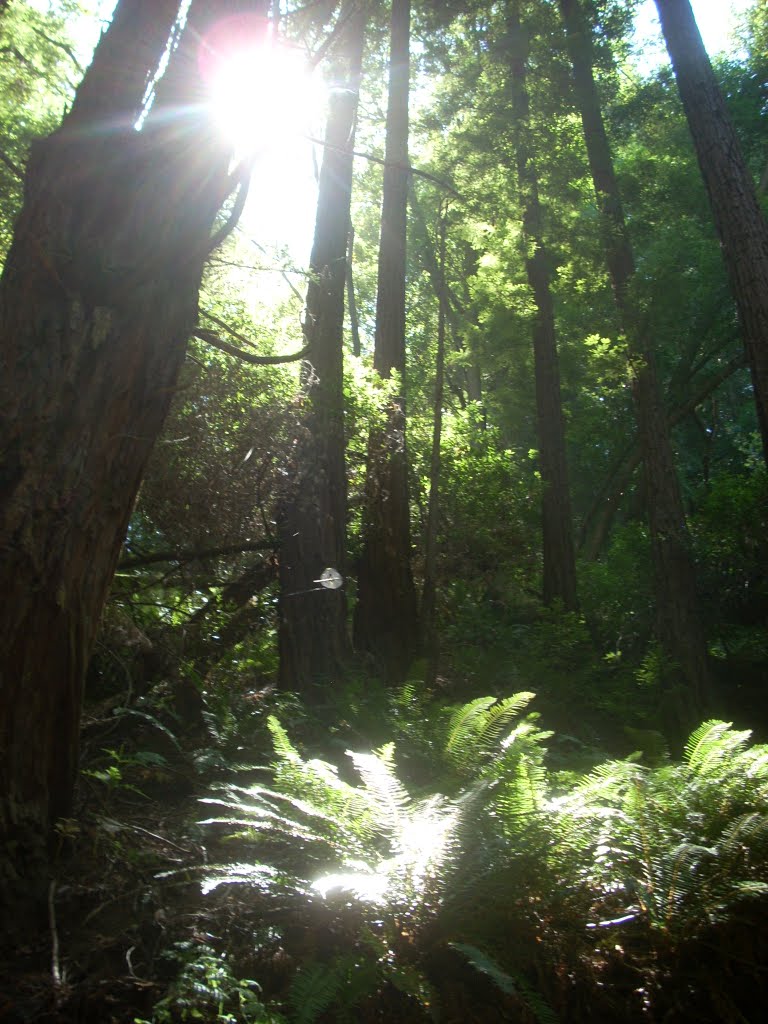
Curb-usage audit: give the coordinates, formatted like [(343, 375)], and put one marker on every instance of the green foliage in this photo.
[(206, 989), (682, 842), (665, 851), (510, 986), (38, 67)]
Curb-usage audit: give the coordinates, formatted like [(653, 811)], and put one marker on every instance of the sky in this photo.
[(716, 20)]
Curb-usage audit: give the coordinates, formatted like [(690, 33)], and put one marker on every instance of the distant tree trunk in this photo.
[(313, 621), (386, 624), (354, 321), (679, 623), (732, 195), (97, 300), (557, 528), (597, 521), (429, 591)]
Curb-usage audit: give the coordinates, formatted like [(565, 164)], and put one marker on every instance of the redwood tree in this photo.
[(559, 582), (732, 194), (386, 615), (97, 300), (313, 620), (679, 624)]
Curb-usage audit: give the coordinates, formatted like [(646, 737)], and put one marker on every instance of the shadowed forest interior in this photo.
[(383, 511)]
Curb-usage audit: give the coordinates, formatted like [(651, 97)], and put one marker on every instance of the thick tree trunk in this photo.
[(732, 195), (559, 569), (386, 626), (312, 635), (98, 297), (679, 624)]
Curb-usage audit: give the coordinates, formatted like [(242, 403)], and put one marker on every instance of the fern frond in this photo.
[(462, 725), (387, 796), (315, 988), (260, 876), (712, 744), (517, 986), (474, 730), (498, 717), (280, 741)]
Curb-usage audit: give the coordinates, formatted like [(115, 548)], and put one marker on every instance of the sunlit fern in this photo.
[(674, 847), (374, 839), (680, 844)]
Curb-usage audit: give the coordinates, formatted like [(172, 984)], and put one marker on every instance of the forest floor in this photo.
[(130, 937)]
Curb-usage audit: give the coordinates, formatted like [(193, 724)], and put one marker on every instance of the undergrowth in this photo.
[(510, 880)]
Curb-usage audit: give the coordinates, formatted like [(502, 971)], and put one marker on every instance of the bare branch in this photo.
[(61, 46), (247, 357), (392, 163), (197, 555)]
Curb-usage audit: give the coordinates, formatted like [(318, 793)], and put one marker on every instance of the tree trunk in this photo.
[(97, 300), (354, 320), (679, 624), (429, 591), (559, 570), (597, 521), (386, 626), (313, 620), (732, 195)]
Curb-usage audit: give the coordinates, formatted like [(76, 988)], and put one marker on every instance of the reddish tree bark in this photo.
[(732, 194), (679, 624), (97, 300), (429, 590), (559, 569), (312, 637), (386, 624)]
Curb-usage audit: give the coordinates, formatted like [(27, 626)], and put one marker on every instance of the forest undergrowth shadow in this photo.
[(458, 872)]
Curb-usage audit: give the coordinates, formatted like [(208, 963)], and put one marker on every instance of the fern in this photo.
[(676, 845), (474, 730), (517, 986), (315, 988)]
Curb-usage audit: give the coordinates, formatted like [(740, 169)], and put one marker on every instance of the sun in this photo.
[(268, 105), (261, 90)]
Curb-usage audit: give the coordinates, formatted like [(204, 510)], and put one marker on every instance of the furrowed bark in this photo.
[(386, 625), (97, 300)]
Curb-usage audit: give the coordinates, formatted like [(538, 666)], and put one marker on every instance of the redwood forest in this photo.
[(383, 511)]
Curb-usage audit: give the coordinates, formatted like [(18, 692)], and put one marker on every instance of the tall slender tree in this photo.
[(313, 620), (97, 300), (559, 580), (386, 626), (429, 591), (732, 193), (679, 623)]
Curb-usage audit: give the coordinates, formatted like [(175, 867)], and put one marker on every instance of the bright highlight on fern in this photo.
[(670, 849)]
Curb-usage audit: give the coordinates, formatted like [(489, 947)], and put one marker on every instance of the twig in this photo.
[(160, 839), (409, 168), (55, 964), (11, 165), (238, 548), (61, 46)]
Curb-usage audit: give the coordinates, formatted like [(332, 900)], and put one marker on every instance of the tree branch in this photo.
[(197, 555), (11, 165), (598, 519), (389, 163), (247, 357)]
